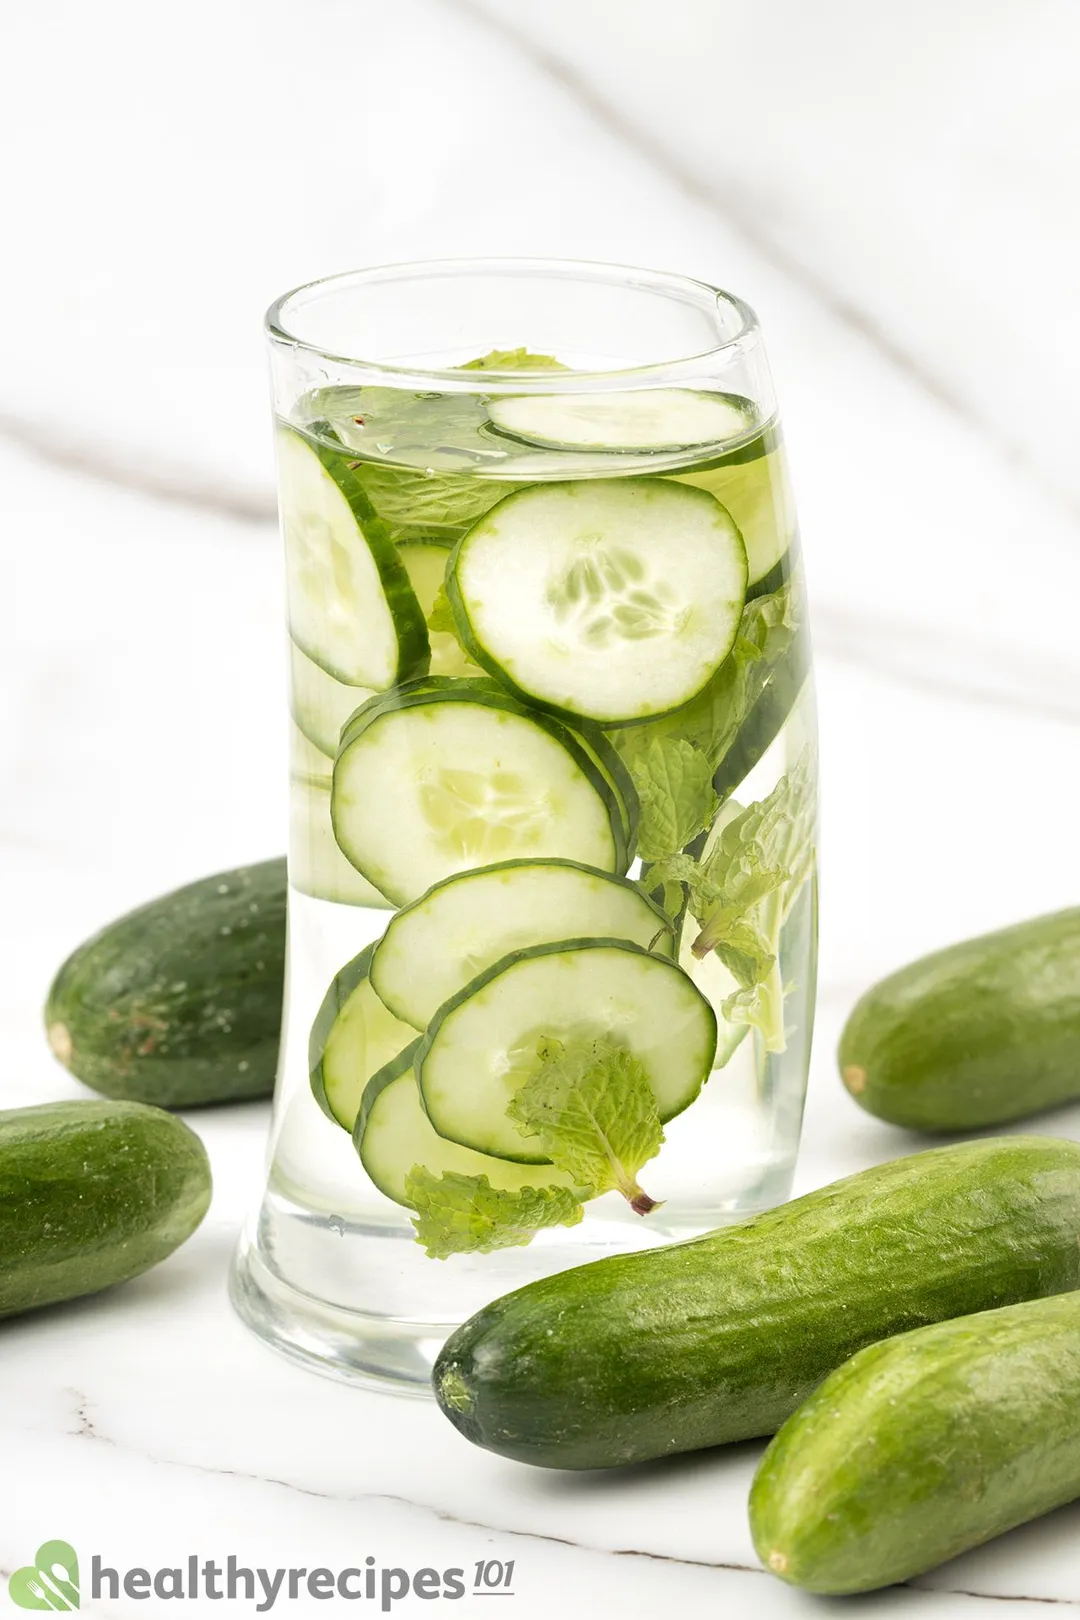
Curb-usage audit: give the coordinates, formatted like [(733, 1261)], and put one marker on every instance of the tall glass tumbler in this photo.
[(552, 897)]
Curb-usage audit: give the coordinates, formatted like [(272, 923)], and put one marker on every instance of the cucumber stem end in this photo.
[(61, 1043)]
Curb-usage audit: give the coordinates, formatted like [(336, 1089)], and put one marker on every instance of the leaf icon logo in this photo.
[(51, 1582)]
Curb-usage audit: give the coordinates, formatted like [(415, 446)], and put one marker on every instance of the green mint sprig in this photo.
[(674, 760), (458, 1214), (592, 1110), (743, 887)]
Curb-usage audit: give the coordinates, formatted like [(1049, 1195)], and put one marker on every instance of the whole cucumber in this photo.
[(923, 1447), (179, 1002), (981, 1033), (91, 1194), (721, 1338)]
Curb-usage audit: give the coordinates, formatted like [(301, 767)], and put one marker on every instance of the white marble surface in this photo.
[(912, 255)]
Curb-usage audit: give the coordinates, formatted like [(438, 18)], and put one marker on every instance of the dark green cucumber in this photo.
[(923, 1447), (980, 1033), (179, 1002), (721, 1338), (91, 1194)]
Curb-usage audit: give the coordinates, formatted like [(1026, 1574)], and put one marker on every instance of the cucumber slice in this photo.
[(352, 1038), (758, 494), (319, 704), (351, 607), (425, 563), (393, 1135), (446, 775), (438, 945), (609, 762), (481, 1046), (316, 865), (645, 419), (613, 599)]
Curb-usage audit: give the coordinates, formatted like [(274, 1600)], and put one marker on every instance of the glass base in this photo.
[(357, 1300), (347, 1345)]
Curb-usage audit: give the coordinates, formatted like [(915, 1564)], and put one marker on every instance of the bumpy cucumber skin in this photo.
[(980, 1033), (179, 1002), (923, 1447), (722, 1338), (92, 1194)]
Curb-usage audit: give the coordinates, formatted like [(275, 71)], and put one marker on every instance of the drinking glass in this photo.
[(552, 904)]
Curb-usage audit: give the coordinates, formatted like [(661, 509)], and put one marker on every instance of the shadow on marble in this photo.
[(686, 1467)]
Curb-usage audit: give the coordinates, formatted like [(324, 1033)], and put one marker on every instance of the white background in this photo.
[(894, 188)]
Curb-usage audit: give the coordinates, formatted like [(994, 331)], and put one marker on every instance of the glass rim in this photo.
[(665, 283)]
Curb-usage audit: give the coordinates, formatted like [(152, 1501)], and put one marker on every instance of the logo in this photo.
[(51, 1582)]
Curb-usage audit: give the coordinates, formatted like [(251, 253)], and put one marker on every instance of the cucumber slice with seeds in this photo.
[(612, 599), (319, 704), (438, 945), (352, 1038), (393, 1135), (642, 419), (482, 1044), (445, 775), (351, 607)]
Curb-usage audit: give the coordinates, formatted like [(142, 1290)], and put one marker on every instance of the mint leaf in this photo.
[(441, 618), (743, 888), (415, 505), (709, 725), (673, 779), (592, 1109), (458, 1214), (766, 631), (514, 360), (674, 760), (448, 655)]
